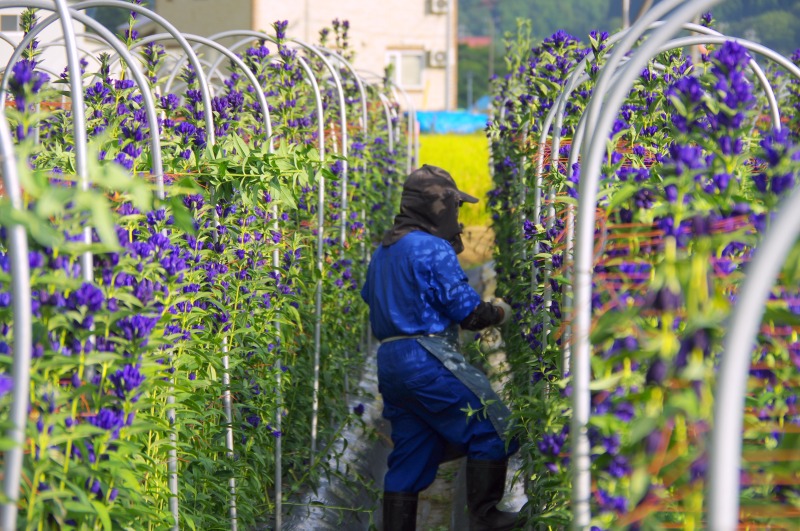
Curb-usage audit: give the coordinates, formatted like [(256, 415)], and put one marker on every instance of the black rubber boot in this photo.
[(486, 481), (399, 511)]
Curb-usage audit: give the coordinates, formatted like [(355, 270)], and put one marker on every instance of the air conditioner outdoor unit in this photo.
[(439, 7), (437, 59)]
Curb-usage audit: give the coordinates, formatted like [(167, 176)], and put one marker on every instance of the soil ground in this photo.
[(436, 502)]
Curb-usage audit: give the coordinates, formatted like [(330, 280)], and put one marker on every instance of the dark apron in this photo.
[(445, 350)]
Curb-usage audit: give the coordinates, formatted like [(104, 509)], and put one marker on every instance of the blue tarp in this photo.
[(451, 121)]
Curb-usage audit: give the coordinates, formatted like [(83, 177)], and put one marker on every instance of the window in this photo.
[(408, 67), (9, 23)]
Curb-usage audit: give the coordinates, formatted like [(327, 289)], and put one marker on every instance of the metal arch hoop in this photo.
[(387, 112), (726, 443), (413, 129), (155, 17), (576, 78), (592, 156), (342, 117), (227, 401), (157, 167), (725, 455), (320, 253), (23, 333), (412, 142), (230, 55), (793, 70), (21, 276), (320, 218), (168, 36), (356, 77), (382, 80), (55, 42), (59, 42)]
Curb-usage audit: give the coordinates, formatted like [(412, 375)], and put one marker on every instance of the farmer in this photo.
[(418, 296)]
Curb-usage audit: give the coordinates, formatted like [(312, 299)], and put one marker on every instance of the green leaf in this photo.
[(602, 384), (621, 195), (641, 428), (183, 218), (102, 512), (241, 145), (640, 481), (103, 222)]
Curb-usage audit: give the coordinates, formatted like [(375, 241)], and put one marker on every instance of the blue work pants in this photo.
[(426, 405)]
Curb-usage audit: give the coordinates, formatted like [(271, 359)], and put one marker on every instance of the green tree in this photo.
[(113, 17), (776, 29), (474, 63)]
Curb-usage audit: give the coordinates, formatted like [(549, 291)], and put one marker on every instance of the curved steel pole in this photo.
[(59, 42), (601, 115), (413, 133), (343, 118), (22, 314), (138, 77), (384, 82), (390, 143), (320, 259), (276, 264), (556, 113), (320, 229), (176, 71), (412, 114), (155, 17), (157, 166), (749, 45), (363, 96), (359, 83), (388, 115), (318, 296), (78, 123), (230, 55), (226, 398), (342, 110), (725, 451)]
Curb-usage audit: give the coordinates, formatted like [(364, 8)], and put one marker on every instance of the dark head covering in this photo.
[(429, 203)]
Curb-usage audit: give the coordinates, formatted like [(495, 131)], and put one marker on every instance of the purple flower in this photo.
[(88, 296), (619, 467), (109, 420), (657, 372), (185, 129), (6, 384), (608, 503), (137, 326), (698, 468), (126, 380), (664, 299), (721, 181), (781, 183), (169, 102), (624, 411)]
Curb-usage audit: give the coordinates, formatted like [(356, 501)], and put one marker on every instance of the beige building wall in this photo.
[(206, 17), (378, 29)]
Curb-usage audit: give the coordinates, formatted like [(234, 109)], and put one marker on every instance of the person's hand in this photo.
[(503, 307), (491, 340)]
